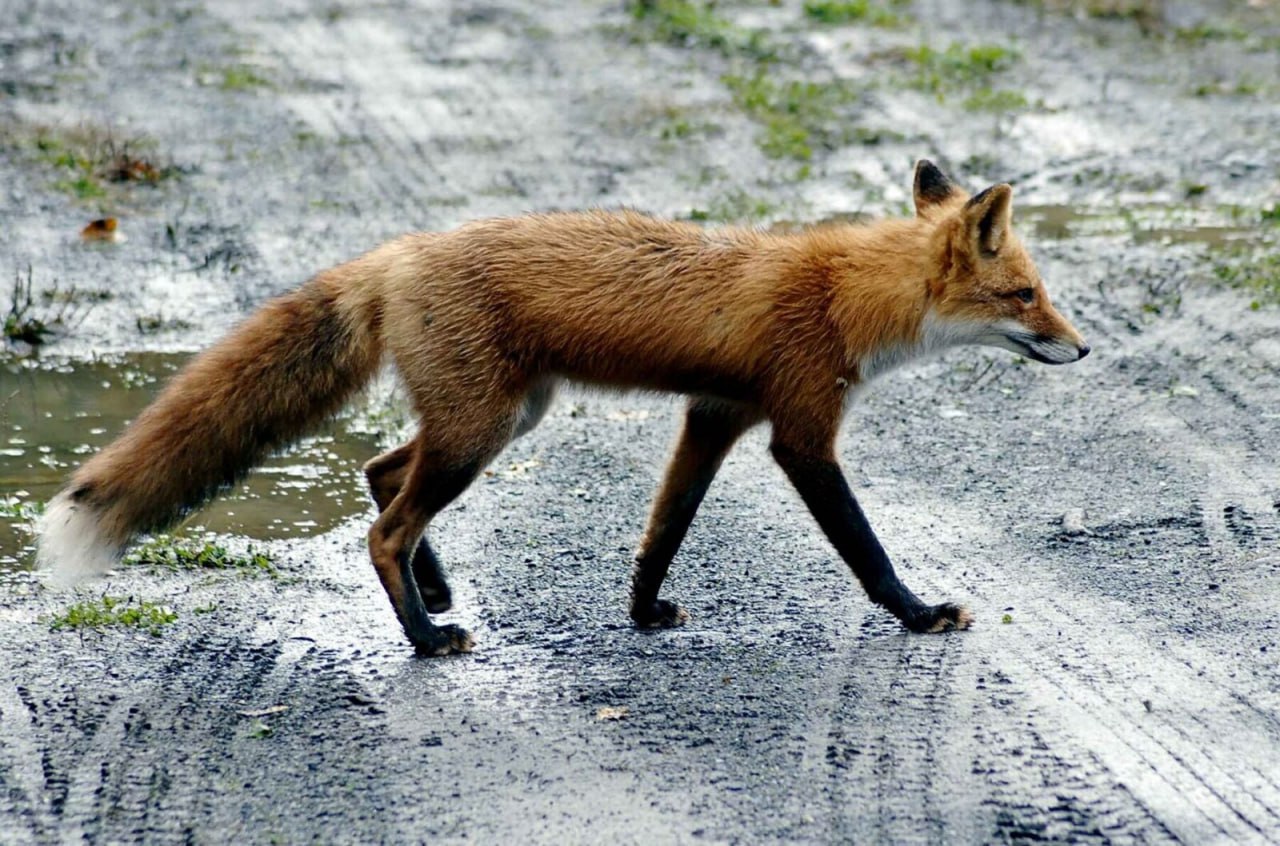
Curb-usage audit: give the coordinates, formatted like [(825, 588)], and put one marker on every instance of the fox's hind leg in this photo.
[(463, 427), (386, 475), (710, 429)]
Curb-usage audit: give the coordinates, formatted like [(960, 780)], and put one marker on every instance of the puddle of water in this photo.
[(1212, 227), (1144, 224), (53, 418)]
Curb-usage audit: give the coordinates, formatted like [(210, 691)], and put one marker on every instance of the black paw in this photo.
[(929, 619), (659, 614), (443, 640)]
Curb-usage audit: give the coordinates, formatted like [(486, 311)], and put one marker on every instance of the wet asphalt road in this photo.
[(1121, 682)]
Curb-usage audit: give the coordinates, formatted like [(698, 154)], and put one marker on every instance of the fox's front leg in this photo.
[(710, 429), (822, 486)]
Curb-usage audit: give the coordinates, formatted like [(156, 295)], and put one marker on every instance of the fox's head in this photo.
[(988, 291)]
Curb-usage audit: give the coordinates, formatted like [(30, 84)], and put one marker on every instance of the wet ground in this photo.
[(1115, 525)]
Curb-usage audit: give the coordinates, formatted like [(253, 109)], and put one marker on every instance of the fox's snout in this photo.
[(1051, 349), (1060, 344), (1050, 337)]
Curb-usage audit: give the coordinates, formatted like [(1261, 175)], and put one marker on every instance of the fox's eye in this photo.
[(1027, 295)]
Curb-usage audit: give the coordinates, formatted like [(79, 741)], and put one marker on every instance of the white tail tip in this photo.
[(72, 546)]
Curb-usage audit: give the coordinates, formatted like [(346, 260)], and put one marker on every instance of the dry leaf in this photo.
[(609, 713), (102, 229), (125, 168)]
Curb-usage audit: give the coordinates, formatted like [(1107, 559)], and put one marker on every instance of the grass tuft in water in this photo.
[(13, 508)]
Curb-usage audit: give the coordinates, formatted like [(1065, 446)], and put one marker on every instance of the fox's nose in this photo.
[(1084, 350)]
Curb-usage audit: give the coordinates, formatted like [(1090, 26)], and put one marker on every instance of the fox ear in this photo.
[(931, 187), (987, 217)]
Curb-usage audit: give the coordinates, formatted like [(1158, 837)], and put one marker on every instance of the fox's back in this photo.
[(618, 296)]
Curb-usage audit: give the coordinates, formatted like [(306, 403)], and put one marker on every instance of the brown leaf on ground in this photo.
[(610, 713), (102, 229)]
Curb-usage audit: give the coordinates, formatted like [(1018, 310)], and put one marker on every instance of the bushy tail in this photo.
[(273, 378)]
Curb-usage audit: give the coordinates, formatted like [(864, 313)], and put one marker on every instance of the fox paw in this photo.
[(444, 640), (659, 614), (941, 618)]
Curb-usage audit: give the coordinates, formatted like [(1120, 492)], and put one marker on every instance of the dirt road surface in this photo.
[(1115, 524)]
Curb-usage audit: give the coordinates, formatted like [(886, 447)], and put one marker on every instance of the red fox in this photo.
[(484, 321)]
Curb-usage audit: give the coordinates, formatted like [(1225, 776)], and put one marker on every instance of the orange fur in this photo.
[(480, 322)]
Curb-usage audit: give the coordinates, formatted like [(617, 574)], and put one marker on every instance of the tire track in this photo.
[(873, 739), (465, 114), (139, 750), (1184, 742), (938, 745), (23, 769), (1042, 788)]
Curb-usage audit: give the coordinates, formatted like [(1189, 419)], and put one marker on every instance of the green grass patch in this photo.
[(1143, 11), (1209, 31), (114, 612), (687, 24), (84, 187), (987, 99), (1239, 88), (1271, 215), (674, 123), (173, 553), (242, 78), (1257, 274), (87, 160), (238, 77), (681, 128), (958, 66), (1148, 10), (78, 158), (796, 115), (736, 207), (834, 13)]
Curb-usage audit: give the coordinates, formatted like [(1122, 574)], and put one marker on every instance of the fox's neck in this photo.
[(880, 277), (932, 337)]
